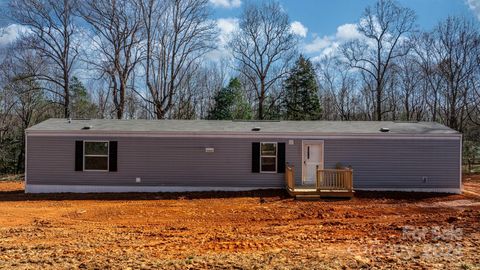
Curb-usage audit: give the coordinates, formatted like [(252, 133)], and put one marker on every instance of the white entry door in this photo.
[(312, 157)]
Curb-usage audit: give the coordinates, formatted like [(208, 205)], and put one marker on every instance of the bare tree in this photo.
[(150, 10), (116, 27), (30, 107), (431, 78), (338, 90), (457, 49), (7, 116), (449, 57), (195, 96), (264, 47), (52, 29), (385, 28), (474, 107), (410, 79), (25, 102), (178, 34), (209, 80)]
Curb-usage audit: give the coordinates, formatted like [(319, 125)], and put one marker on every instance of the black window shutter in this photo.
[(78, 155), (112, 159), (281, 158), (256, 157)]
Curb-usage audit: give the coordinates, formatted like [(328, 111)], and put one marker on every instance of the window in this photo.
[(268, 157), (95, 155)]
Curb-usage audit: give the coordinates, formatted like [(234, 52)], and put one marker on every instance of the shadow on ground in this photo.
[(18, 194)]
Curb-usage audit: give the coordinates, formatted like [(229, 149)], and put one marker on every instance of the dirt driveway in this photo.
[(257, 230)]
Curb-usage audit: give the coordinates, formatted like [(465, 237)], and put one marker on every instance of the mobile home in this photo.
[(197, 155)]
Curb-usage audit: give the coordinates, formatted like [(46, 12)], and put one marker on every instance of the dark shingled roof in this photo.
[(234, 127)]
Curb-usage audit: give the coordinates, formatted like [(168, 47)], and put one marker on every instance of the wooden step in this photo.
[(307, 197), (306, 194), (336, 194), (317, 196)]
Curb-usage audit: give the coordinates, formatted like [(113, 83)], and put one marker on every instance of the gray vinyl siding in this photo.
[(377, 163), (158, 161), (398, 163)]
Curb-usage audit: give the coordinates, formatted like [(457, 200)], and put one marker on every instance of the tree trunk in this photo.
[(452, 118), (379, 102), (67, 94), (66, 112), (407, 106), (261, 100), (159, 113), (122, 103), (20, 154)]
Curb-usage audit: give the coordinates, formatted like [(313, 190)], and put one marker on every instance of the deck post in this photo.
[(292, 177), (351, 179), (289, 178)]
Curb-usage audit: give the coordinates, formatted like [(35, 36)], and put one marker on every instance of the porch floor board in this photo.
[(334, 183), (312, 193)]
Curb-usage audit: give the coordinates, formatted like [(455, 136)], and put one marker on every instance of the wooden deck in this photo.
[(333, 183)]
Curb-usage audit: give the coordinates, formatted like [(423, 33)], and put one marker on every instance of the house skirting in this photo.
[(33, 188), (429, 190)]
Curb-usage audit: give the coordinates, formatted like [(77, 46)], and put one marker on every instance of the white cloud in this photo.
[(318, 44), (329, 44), (298, 29), (475, 7), (226, 3), (226, 26), (348, 31), (10, 33)]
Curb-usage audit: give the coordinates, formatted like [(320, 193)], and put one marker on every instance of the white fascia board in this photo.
[(285, 135)]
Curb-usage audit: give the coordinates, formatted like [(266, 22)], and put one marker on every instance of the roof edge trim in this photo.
[(251, 134)]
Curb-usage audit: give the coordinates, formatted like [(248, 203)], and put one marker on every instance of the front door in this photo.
[(312, 157)]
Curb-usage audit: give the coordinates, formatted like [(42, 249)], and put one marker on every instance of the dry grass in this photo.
[(251, 230)]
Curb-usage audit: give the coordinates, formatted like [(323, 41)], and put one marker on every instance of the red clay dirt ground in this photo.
[(247, 230)]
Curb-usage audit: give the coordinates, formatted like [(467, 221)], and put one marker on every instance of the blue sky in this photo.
[(326, 23), (324, 16), (321, 24)]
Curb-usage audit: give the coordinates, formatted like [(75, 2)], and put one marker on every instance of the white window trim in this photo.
[(275, 156), (107, 155)]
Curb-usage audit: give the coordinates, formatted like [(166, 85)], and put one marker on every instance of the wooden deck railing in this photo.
[(330, 183), (334, 179), (290, 177)]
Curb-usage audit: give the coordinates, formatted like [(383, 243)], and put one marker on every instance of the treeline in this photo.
[(166, 59)]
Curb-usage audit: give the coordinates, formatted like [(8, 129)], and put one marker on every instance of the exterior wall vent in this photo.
[(384, 129), (256, 129)]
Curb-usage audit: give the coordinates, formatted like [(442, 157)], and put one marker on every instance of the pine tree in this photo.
[(81, 103), (301, 100), (230, 103), (273, 109)]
